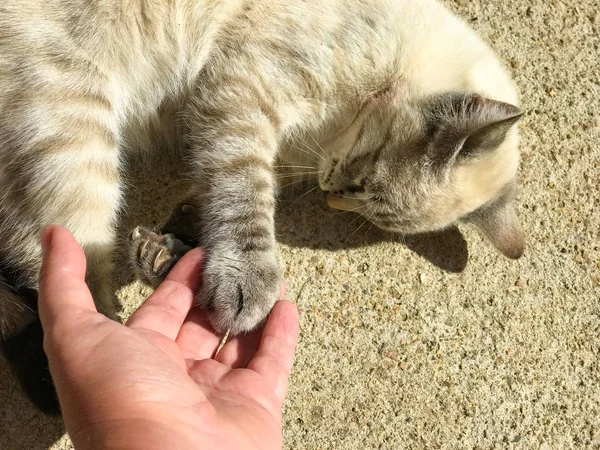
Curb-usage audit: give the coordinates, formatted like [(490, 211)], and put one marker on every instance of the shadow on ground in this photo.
[(308, 222), (23, 427), (301, 222)]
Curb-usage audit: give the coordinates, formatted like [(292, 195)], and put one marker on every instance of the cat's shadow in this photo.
[(307, 221), (302, 220)]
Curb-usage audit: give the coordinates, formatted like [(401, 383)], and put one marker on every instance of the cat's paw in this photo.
[(154, 255), (239, 289)]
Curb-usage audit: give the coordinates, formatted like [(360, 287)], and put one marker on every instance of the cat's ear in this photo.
[(464, 125), (500, 224)]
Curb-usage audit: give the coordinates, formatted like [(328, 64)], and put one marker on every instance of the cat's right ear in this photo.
[(498, 221), (465, 125)]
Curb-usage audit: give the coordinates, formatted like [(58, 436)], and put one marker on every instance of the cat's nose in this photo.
[(326, 186)]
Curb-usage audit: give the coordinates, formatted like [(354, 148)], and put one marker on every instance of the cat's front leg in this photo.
[(241, 277), (236, 198)]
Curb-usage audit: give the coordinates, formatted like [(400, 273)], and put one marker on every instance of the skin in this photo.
[(155, 382)]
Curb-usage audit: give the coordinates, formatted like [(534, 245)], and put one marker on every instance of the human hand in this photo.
[(156, 383)]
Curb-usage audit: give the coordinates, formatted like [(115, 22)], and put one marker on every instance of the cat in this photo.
[(413, 115)]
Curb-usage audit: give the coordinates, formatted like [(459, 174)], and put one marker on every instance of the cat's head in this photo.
[(423, 166)]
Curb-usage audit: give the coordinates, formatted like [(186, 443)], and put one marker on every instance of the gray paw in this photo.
[(154, 255), (239, 288)]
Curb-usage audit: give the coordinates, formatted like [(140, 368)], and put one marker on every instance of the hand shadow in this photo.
[(307, 221)]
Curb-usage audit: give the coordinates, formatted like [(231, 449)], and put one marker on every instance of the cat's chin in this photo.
[(342, 203)]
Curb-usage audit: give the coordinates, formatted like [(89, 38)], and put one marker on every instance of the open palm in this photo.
[(158, 382)]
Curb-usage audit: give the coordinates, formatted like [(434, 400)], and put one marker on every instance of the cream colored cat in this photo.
[(414, 113)]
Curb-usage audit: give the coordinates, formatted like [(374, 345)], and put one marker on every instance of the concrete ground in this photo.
[(437, 342)]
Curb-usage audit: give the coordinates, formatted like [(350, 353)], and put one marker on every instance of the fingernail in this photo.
[(46, 238)]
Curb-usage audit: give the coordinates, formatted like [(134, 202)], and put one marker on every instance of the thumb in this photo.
[(63, 293)]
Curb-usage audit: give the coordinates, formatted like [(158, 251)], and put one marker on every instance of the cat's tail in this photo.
[(22, 342)]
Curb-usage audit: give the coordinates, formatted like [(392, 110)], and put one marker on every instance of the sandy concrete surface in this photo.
[(437, 341)]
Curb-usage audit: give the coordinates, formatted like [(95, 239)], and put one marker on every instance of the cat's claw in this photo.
[(136, 233), (154, 255)]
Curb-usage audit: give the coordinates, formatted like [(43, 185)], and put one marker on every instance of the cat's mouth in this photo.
[(342, 203)]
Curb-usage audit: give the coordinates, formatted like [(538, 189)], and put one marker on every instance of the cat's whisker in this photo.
[(358, 216), (304, 180), (318, 145), (232, 259), (369, 229), (357, 208), (306, 193), (307, 148), (295, 175), (342, 212), (360, 226), (297, 172), (353, 210), (295, 167), (320, 155), (309, 154)]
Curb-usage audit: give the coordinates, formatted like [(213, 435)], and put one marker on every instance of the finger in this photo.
[(166, 309), (239, 350), (62, 290), (275, 355), (207, 372), (197, 338)]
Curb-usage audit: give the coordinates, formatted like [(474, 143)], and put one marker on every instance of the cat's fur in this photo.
[(413, 111)]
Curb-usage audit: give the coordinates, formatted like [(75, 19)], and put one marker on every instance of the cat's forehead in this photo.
[(394, 134)]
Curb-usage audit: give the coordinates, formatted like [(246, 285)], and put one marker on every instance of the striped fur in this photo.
[(254, 82)]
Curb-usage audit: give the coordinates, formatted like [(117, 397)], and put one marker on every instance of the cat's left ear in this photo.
[(498, 221), (464, 125)]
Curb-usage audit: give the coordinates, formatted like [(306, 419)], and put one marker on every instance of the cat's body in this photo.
[(83, 82)]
